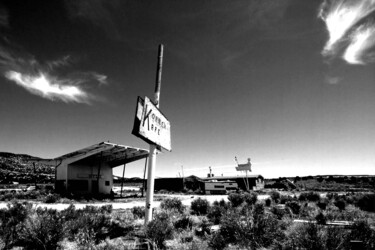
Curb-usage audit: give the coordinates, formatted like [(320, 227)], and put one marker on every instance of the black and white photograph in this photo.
[(187, 124)]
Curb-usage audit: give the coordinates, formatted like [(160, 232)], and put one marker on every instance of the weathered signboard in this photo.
[(151, 125), (244, 167)]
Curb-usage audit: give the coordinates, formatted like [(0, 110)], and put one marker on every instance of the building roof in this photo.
[(113, 154), (232, 177)]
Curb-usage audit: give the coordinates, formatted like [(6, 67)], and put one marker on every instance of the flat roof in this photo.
[(111, 153), (232, 177)]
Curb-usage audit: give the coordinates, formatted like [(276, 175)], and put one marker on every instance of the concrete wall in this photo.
[(80, 172), (81, 178)]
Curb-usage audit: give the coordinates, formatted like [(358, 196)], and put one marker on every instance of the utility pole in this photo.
[(144, 177), (122, 179), (153, 149)]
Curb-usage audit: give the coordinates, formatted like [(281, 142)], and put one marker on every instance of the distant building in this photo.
[(256, 182), (210, 184), (218, 187), (89, 170)]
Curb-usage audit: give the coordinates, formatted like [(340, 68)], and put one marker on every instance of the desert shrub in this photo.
[(42, 230), (308, 211), (304, 236), (173, 204), (236, 199), (203, 229), (334, 237), (87, 223), (200, 206), (285, 198), (185, 222), (217, 241), (294, 206), (12, 222), (217, 210), (221, 203), (321, 219), (275, 196), (160, 229), (366, 202), (122, 223), (309, 196), (362, 231), (278, 212), (268, 202), (51, 198), (255, 230), (138, 212), (332, 212), (322, 204), (340, 204), (114, 244), (251, 198)]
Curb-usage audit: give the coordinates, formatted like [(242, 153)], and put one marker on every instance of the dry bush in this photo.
[(200, 206), (160, 228), (173, 204), (254, 229), (42, 230)]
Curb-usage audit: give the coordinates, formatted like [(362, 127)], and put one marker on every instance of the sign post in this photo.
[(153, 150), (244, 167), (152, 126)]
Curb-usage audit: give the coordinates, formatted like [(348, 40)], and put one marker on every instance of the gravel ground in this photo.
[(186, 200)]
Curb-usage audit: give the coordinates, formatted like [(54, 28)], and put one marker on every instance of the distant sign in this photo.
[(243, 167), (151, 125)]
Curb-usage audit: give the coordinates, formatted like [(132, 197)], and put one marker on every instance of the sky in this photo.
[(288, 83)]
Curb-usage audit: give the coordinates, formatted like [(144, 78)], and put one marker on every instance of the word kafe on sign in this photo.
[(151, 125), (156, 122)]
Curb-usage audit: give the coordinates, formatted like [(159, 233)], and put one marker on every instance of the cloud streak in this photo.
[(55, 80), (45, 80), (351, 30), (47, 87)]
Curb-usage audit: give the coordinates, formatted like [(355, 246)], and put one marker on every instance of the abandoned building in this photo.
[(89, 170), (256, 182)]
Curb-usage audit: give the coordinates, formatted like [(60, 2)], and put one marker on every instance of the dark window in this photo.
[(107, 183), (78, 185), (218, 186)]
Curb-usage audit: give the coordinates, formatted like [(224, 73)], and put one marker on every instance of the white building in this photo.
[(89, 170)]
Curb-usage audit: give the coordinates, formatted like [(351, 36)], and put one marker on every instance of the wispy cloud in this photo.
[(55, 80), (48, 87), (351, 30), (46, 80)]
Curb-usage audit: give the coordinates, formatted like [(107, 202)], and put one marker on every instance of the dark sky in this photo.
[(257, 79)]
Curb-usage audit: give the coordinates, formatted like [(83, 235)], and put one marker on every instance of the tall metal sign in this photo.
[(244, 167), (153, 127)]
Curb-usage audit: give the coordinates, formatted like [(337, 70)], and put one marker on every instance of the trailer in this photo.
[(219, 187)]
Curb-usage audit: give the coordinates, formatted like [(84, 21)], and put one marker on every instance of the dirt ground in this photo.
[(186, 200)]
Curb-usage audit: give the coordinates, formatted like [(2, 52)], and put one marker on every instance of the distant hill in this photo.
[(18, 168), (324, 183)]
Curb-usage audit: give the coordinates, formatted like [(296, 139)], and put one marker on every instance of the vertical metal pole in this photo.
[(144, 177), (153, 150), (122, 180)]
